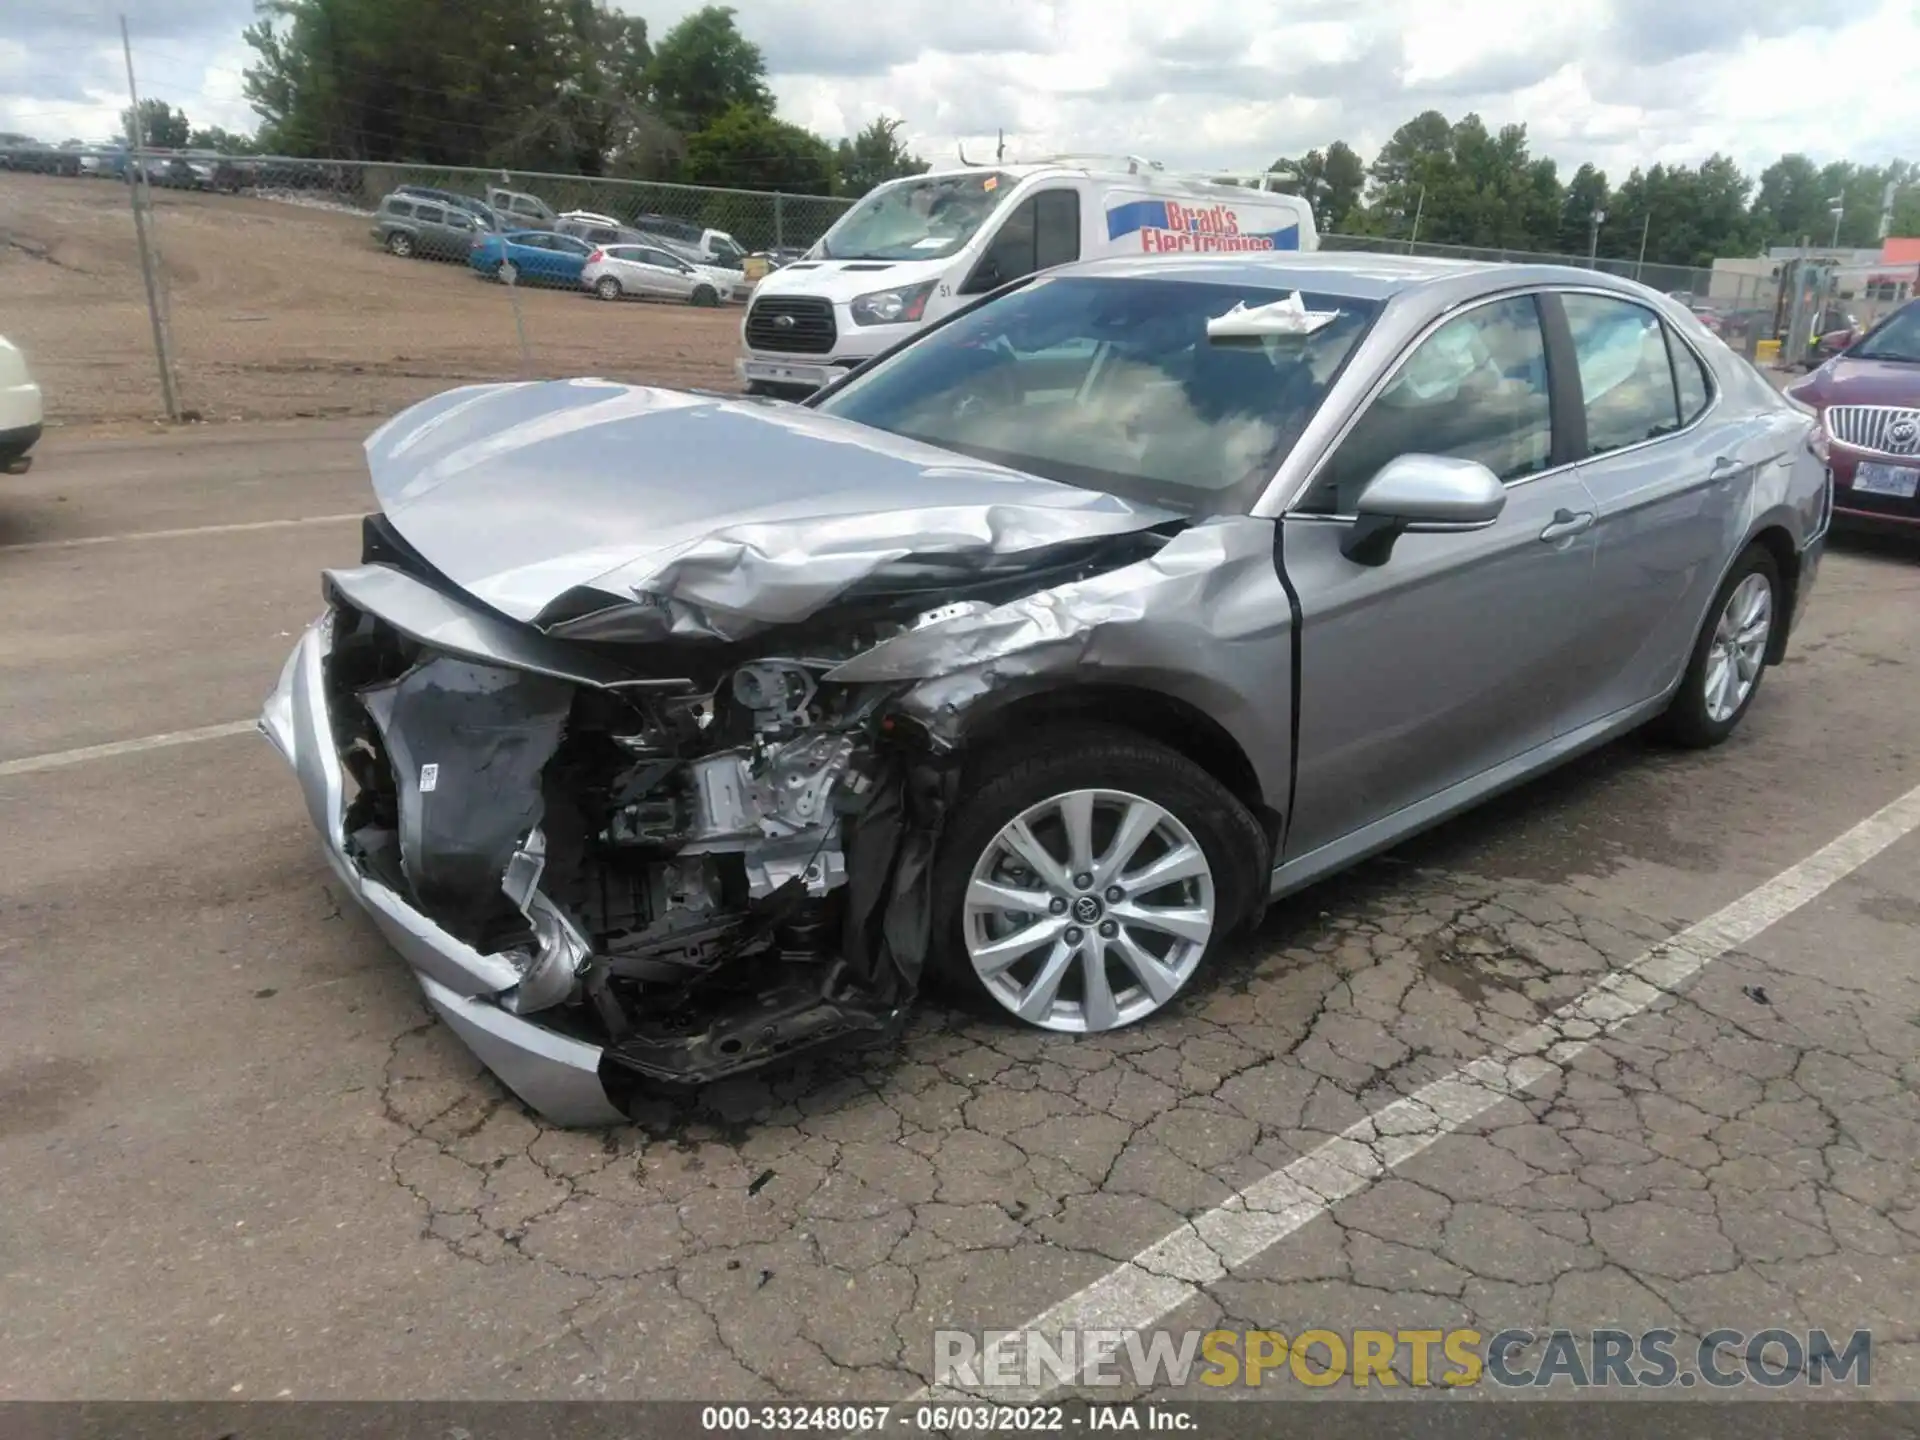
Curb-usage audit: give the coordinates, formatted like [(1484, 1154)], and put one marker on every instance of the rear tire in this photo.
[(705, 296), (401, 245), (1114, 947), (607, 288), (1729, 656)]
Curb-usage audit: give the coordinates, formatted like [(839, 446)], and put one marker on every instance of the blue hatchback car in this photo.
[(539, 257)]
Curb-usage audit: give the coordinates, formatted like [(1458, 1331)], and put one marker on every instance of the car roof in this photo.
[(1361, 274)]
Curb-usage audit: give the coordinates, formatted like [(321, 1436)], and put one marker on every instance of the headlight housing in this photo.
[(903, 304)]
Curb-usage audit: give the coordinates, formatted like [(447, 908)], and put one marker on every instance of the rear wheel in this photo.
[(704, 295), (400, 244), (1082, 886), (607, 288), (1730, 656)]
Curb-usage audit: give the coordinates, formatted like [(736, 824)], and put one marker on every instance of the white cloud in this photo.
[(1203, 82), (1240, 82)]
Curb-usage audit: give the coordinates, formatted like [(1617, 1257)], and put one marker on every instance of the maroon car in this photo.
[(1868, 399)]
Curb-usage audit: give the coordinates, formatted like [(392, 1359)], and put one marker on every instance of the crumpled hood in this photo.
[(718, 516)]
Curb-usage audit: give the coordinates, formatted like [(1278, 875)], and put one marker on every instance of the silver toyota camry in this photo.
[(668, 735)]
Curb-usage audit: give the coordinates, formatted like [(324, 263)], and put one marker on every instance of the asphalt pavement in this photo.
[(239, 1159)]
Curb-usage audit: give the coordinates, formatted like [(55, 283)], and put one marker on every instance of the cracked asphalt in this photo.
[(237, 1157)]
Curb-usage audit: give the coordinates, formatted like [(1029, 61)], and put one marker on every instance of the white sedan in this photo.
[(617, 271), (20, 414)]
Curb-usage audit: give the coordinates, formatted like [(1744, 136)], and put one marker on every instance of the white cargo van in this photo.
[(917, 248)]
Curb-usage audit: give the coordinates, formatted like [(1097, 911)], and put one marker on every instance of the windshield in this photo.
[(1112, 384), (928, 218), (1895, 338)]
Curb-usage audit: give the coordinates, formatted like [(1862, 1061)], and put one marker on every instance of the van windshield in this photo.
[(928, 218)]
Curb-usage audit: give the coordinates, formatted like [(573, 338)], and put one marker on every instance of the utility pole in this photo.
[(1000, 148), (1646, 228), (1886, 208), (162, 350), (1839, 212), (1593, 239), (1418, 206)]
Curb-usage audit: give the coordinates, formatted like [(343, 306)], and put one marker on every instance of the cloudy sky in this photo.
[(1196, 82)]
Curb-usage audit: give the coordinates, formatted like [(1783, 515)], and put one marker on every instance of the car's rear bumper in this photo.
[(558, 1075)]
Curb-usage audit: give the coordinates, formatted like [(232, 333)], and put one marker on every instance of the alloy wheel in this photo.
[(1088, 911), (1739, 648)]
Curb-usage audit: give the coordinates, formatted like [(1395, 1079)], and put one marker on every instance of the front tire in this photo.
[(1084, 884), (1730, 655), (607, 288)]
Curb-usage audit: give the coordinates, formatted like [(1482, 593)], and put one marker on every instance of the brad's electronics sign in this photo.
[(1168, 226)]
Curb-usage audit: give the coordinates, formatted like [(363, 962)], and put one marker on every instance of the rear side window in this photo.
[(402, 208), (1626, 375), (432, 214), (625, 252), (1690, 379)]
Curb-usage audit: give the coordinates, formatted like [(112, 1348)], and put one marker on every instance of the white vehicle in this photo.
[(692, 242), (614, 272), (20, 414), (919, 248)]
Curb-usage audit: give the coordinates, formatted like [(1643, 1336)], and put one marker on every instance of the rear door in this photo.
[(1670, 471), (1452, 658)]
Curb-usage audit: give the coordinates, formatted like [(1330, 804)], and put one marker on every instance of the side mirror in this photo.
[(1421, 493)]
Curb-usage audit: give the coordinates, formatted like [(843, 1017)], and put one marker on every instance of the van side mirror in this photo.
[(1421, 493)]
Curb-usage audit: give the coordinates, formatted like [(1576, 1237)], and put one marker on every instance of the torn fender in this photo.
[(1198, 621)]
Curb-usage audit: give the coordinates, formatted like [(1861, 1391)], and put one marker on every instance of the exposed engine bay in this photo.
[(702, 871)]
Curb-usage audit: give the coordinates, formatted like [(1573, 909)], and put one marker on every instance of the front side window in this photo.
[(1041, 232), (926, 218), (1113, 384), (1475, 389), (432, 214), (1626, 375)]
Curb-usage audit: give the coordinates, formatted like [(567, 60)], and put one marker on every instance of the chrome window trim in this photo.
[(1287, 508)]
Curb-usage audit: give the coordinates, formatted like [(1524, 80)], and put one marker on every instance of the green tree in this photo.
[(212, 137), (1417, 159), (704, 67), (1330, 180), (1586, 195), (598, 115), (161, 126), (875, 156), (748, 149)]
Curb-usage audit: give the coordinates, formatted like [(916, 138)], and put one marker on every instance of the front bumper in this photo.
[(557, 1075), (1857, 504), (785, 372)]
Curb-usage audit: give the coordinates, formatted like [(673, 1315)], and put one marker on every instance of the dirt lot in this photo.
[(282, 311)]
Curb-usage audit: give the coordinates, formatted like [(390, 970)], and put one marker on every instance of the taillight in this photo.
[(596, 257)]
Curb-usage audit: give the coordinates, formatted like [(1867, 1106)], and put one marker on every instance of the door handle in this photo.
[(1565, 523), (1724, 470)]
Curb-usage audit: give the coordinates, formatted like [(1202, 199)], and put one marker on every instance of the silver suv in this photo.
[(408, 225)]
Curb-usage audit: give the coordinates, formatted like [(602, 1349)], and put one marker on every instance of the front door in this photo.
[(1452, 657)]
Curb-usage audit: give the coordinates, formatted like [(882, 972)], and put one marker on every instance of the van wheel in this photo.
[(607, 288), (400, 244), (704, 295)]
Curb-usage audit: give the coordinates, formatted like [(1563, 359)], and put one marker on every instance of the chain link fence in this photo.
[(1742, 308), (278, 296)]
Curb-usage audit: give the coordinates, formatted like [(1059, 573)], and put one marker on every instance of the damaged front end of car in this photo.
[(617, 862)]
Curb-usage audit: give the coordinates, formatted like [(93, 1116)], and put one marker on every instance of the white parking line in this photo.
[(233, 529), (32, 764), (1171, 1271)]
